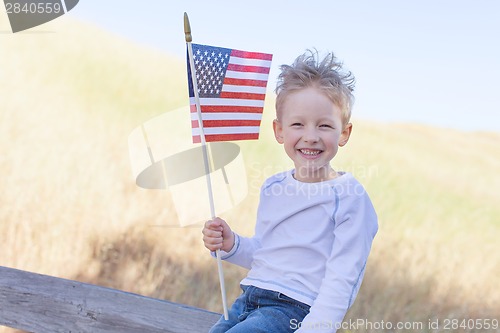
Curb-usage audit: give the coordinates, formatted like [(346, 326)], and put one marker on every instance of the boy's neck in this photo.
[(314, 176)]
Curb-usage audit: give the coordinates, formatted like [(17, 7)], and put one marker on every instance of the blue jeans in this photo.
[(262, 311)]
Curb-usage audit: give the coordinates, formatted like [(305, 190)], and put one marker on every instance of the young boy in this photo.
[(315, 225)]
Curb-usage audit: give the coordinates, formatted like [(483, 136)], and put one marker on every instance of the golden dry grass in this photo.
[(70, 208)]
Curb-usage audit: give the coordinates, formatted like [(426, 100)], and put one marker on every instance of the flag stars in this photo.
[(210, 66)]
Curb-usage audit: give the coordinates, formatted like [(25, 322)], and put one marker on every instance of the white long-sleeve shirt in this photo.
[(311, 243)]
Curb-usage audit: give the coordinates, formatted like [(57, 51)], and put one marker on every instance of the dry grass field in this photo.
[(69, 207)]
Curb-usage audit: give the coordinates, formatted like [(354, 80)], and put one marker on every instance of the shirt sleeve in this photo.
[(353, 237), (242, 252)]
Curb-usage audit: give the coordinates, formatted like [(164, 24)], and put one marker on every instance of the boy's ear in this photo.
[(345, 135), (278, 131)]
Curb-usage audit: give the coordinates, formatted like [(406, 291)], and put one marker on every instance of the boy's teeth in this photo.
[(309, 152)]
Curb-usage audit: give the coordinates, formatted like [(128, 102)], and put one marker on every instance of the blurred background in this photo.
[(426, 145)]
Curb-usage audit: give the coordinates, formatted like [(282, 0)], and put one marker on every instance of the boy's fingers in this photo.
[(214, 248), (212, 243), (212, 238), (211, 233), (214, 225)]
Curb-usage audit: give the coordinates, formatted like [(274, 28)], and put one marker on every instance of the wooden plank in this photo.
[(40, 303)]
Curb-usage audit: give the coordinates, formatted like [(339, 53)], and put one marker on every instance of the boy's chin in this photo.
[(313, 166), (313, 171)]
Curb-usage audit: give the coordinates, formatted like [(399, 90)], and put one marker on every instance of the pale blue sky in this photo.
[(426, 61)]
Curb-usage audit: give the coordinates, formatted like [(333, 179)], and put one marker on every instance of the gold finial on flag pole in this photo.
[(187, 29)]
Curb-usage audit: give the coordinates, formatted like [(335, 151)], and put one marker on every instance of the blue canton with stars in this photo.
[(210, 63)]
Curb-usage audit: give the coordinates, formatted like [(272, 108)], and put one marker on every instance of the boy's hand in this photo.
[(217, 235)]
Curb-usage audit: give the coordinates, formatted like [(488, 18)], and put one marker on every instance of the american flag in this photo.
[(232, 88)]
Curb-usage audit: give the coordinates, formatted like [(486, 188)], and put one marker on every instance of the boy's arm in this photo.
[(345, 268), (242, 252)]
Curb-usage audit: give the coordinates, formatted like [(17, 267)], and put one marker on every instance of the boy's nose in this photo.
[(311, 135)]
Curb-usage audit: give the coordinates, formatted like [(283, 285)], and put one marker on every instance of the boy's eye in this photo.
[(326, 125), (296, 124)]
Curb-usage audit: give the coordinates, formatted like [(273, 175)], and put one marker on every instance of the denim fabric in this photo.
[(262, 311)]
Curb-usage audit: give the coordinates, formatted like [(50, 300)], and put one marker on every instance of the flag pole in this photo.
[(189, 39)]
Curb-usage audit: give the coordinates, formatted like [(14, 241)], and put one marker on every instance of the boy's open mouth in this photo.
[(310, 152)]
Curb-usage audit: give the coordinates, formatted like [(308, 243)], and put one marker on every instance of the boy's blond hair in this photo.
[(326, 75)]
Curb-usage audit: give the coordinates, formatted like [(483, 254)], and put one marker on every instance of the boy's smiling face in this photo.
[(311, 130)]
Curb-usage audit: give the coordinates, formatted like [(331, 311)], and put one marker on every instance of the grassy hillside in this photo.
[(69, 206)]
